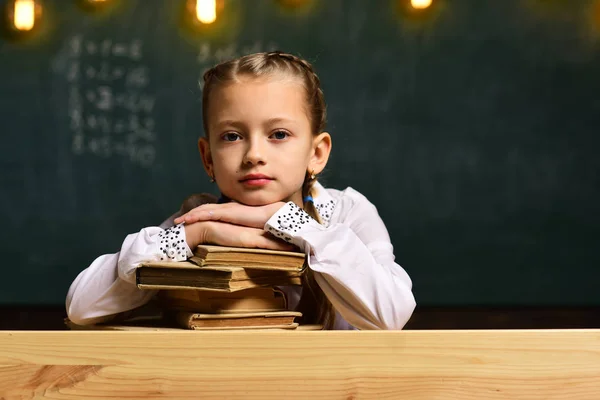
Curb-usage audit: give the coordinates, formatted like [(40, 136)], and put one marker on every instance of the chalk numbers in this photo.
[(110, 104)]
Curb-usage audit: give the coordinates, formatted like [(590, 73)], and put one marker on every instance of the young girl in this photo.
[(264, 146)]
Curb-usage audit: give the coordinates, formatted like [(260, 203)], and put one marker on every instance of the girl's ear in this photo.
[(204, 148), (321, 151)]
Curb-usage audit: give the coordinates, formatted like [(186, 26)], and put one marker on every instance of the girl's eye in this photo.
[(231, 137), (280, 135)]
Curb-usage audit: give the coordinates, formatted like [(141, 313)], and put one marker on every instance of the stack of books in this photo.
[(226, 288), (256, 308)]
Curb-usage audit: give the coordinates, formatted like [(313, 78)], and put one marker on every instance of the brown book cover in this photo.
[(209, 255), (263, 320), (211, 302), (185, 275)]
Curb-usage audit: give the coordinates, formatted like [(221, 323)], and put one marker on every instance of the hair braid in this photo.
[(314, 305)]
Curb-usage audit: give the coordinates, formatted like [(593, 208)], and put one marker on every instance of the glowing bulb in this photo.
[(206, 11), (420, 4), (24, 15)]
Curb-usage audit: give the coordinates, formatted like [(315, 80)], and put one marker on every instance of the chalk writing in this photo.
[(110, 104)]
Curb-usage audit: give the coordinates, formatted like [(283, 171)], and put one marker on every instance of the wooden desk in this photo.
[(548, 364)]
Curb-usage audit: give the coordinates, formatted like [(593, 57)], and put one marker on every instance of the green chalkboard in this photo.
[(473, 127)]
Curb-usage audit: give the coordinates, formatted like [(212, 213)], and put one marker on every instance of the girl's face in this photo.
[(260, 145)]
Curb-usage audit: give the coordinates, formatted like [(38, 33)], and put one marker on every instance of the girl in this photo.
[(264, 146)]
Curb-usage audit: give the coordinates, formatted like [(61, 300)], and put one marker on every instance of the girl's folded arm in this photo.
[(354, 262), (107, 287)]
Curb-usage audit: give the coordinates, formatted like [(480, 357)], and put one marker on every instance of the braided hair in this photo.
[(314, 305)]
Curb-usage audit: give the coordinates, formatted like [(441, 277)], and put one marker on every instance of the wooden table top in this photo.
[(479, 364)]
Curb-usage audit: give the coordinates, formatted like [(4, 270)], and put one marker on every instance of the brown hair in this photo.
[(314, 305)]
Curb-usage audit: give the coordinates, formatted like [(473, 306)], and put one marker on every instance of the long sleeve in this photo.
[(353, 261), (107, 287)]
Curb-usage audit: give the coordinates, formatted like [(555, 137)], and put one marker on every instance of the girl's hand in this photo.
[(232, 213), (226, 234)]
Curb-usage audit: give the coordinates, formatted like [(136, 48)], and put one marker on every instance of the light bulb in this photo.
[(420, 4), (24, 15), (206, 11)]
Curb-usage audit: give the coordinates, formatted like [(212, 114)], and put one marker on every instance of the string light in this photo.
[(420, 4), (206, 11), (22, 18), (203, 13), (23, 15)]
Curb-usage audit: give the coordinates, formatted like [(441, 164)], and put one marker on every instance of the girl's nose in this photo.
[(254, 153)]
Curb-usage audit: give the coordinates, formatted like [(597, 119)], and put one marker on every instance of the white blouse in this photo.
[(351, 255)]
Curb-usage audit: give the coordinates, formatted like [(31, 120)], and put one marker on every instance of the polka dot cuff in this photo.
[(172, 244), (325, 211), (290, 222)]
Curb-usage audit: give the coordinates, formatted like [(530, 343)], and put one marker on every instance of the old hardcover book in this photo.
[(275, 320), (208, 255), (185, 275), (211, 302)]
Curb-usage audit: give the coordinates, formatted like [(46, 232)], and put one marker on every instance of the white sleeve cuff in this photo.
[(290, 223), (172, 244)]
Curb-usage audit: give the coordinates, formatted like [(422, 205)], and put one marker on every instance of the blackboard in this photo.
[(473, 127)]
